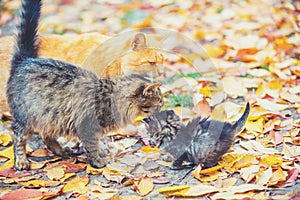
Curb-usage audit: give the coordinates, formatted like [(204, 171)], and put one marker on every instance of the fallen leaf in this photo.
[(55, 173), (77, 185), (144, 186), (202, 108), (276, 136), (196, 191), (41, 183), (22, 194), (263, 176), (271, 160), (233, 87), (40, 153), (5, 139), (149, 149), (278, 176), (245, 188), (92, 170), (12, 173), (271, 106), (172, 189), (255, 125)]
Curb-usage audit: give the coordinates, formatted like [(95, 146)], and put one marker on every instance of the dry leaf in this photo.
[(77, 185), (172, 189), (263, 177), (144, 186), (196, 191), (271, 106), (55, 173), (5, 139), (40, 183), (233, 87)]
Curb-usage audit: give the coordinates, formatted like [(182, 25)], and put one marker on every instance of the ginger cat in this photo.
[(56, 98), (93, 51)]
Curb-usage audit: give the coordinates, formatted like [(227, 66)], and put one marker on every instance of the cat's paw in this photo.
[(99, 162), (21, 163)]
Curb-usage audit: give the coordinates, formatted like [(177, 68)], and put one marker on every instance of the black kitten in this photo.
[(200, 141)]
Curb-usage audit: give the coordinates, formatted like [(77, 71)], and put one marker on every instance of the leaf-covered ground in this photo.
[(252, 55)]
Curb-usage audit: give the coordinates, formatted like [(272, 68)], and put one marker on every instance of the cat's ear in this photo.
[(139, 42), (151, 88)]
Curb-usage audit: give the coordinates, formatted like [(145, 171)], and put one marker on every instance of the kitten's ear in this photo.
[(151, 88), (139, 42)]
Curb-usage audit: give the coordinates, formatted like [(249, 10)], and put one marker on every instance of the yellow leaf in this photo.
[(149, 149), (196, 191), (55, 173), (211, 170), (211, 177), (67, 176), (278, 176), (77, 185), (145, 186), (196, 172), (218, 113), (255, 126), (271, 160), (92, 170), (209, 91), (228, 160), (172, 189), (213, 51), (246, 161), (5, 139), (41, 183), (8, 153)]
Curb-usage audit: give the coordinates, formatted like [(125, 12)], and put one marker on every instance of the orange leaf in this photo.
[(203, 108), (40, 153), (22, 194)]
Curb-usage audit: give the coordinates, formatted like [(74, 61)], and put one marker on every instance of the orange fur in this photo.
[(107, 58)]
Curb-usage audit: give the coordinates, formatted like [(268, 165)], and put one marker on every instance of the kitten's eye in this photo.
[(152, 63)]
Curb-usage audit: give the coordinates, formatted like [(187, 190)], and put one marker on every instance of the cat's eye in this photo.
[(152, 63)]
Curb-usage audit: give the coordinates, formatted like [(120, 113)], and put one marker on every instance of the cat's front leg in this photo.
[(20, 137), (89, 132)]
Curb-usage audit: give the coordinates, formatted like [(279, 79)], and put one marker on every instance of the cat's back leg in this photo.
[(21, 134)]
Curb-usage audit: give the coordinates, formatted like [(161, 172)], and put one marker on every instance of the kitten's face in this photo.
[(163, 126), (145, 100)]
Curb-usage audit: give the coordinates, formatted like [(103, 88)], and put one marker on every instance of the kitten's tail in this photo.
[(26, 40), (239, 124)]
